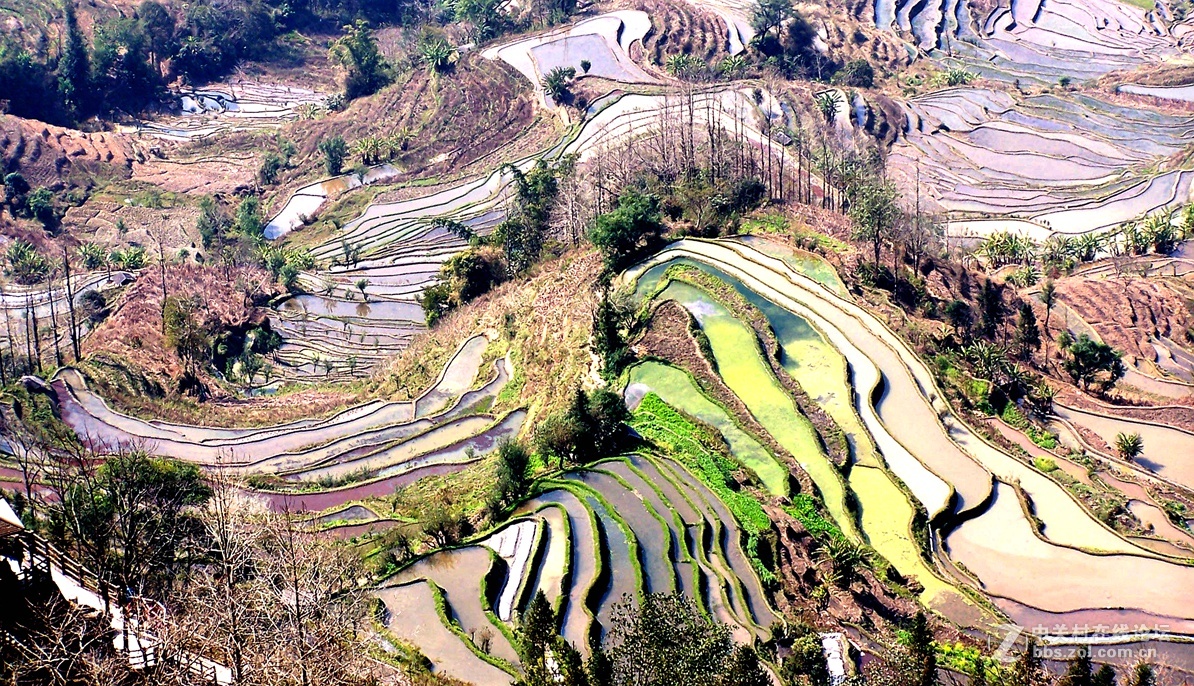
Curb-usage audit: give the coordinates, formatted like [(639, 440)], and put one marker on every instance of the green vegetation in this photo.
[(1129, 446), (666, 639), (334, 150), (632, 229), (590, 429), (745, 371), (676, 388), (804, 509), (1016, 419), (357, 52), (703, 451), (786, 41), (131, 520), (558, 83), (1088, 361), (1045, 464), (516, 245)]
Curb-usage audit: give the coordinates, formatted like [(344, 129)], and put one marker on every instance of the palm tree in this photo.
[(361, 285), (1048, 298), (959, 77), (683, 66), (1129, 446), (732, 66), (1016, 379), (557, 82), (1089, 245), (989, 359), (1042, 397), (827, 103), (438, 54)]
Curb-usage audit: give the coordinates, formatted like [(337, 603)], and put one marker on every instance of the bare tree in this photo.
[(53, 316), (278, 604), (70, 304)]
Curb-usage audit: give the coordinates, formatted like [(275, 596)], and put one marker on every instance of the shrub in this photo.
[(1045, 464), (857, 74), (358, 53), (334, 151), (270, 166)]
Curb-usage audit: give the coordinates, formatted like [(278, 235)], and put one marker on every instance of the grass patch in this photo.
[(804, 509), (1016, 419), (1044, 464), (806, 238)]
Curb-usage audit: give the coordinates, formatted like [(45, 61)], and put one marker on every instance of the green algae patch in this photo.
[(741, 365), (676, 388)]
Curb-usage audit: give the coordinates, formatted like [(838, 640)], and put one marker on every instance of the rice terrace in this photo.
[(597, 343)]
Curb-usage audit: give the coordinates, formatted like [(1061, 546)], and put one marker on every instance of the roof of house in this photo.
[(10, 523)]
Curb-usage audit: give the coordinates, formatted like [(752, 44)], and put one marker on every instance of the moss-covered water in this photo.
[(741, 366), (677, 389)]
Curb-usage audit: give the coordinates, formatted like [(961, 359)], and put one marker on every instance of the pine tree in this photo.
[(979, 678), (922, 652), (538, 628), (73, 65), (746, 670), (600, 669), (1143, 675), (1104, 677), (1028, 334), (571, 665), (1079, 671), (1027, 670)]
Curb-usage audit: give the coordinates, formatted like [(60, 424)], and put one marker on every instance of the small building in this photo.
[(10, 523)]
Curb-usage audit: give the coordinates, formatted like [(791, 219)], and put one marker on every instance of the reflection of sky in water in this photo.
[(634, 394)]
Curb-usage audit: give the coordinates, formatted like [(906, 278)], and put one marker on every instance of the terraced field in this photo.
[(1040, 165), (622, 527), (944, 507), (398, 247), (231, 107), (365, 451), (928, 458)]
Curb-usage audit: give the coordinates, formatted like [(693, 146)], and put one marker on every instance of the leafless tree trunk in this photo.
[(159, 237), (54, 319), (33, 329), (70, 303)]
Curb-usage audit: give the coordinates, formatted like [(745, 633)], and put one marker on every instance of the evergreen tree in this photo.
[(979, 677), (73, 66), (1027, 671), (358, 53), (1104, 677), (334, 151), (537, 628), (1028, 334), (1079, 671), (600, 668), (922, 651), (1143, 675), (744, 669), (571, 665), (991, 307), (158, 28)]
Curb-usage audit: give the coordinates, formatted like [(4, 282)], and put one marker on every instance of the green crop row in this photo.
[(692, 445), (1016, 419), (681, 438)]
